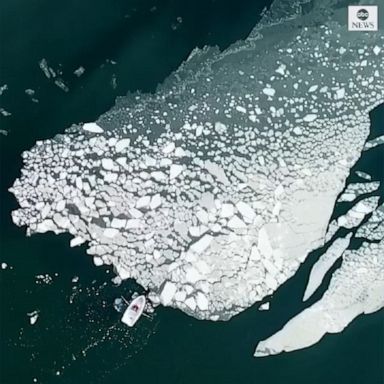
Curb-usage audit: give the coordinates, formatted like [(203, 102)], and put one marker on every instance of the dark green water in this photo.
[(78, 337)]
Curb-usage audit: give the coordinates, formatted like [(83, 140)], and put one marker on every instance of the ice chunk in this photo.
[(236, 222), (143, 202), (191, 303), (340, 93), (227, 210), (122, 144), (134, 223), (202, 301), (92, 127), (168, 148), (192, 275), (79, 71), (220, 127), (264, 306), (325, 262), (98, 261), (376, 50), (175, 171), (241, 109), (107, 164), (246, 210), (118, 223), (281, 69), (313, 88), (33, 316), (202, 244), (269, 91), (110, 232), (76, 241), (216, 171), (310, 117), (168, 292), (364, 175), (155, 201)]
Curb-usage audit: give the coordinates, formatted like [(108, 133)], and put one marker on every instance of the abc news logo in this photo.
[(362, 18), (363, 14)]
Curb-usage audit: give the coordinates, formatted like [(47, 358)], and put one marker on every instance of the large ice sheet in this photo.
[(213, 190), (356, 288)]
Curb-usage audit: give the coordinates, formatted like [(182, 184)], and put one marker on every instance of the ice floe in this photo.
[(325, 262), (356, 288), (33, 317), (211, 191)]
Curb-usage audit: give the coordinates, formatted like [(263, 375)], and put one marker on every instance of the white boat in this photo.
[(134, 311)]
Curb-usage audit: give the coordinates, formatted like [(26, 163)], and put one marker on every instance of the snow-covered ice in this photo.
[(207, 208)]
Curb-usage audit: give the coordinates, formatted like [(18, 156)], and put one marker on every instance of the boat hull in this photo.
[(134, 311)]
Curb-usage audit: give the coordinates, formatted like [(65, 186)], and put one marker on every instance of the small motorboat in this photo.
[(134, 311)]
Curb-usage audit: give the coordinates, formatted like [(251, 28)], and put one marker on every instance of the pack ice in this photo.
[(211, 191)]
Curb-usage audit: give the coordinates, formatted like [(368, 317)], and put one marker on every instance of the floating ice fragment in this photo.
[(269, 91), (191, 303), (168, 292), (364, 175), (236, 222), (356, 189), (216, 171), (192, 275), (110, 232), (373, 143), (202, 301), (264, 306), (376, 50), (340, 93), (202, 215), (118, 223), (134, 223), (155, 201), (168, 148), (3, 88), (325, 262), (5, 113), (281, 69), (122, 144), (98, 261), (175, 171), (143, 202), (241, 109), (43, 64), (246, 210), (33, 316), (29, 92), (76, 241), (92, 127), (107, 164), (79, 71), (310, 117), (313, 88), (220, 127), (60, 83), (202, 244)]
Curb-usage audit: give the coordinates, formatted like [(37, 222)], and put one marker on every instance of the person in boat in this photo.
[(135, 308)]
